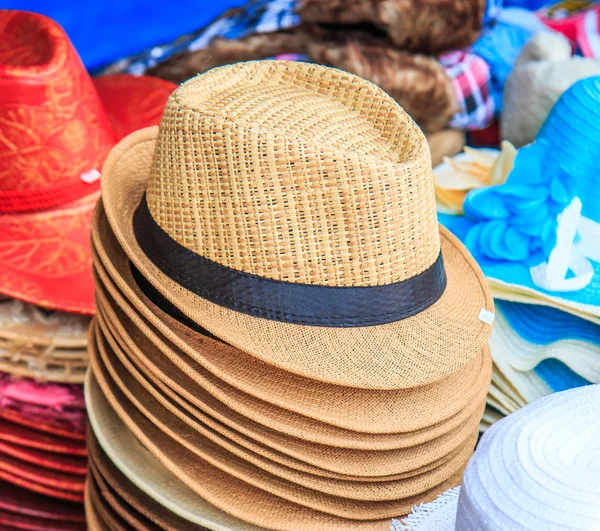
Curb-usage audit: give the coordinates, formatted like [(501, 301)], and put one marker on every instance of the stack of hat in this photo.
[(56, 128), (533, 226), (285, 337), (536, 469)]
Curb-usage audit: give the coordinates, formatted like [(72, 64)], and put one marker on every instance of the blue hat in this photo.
[(541, 229)]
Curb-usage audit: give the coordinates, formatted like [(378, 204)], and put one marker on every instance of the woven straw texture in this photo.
[(350, 408), (369, 463), (289, 451), (115, 483), (343, 200), (240, 498), (40, 345), (278, 155), (197, 437), (332, 497)]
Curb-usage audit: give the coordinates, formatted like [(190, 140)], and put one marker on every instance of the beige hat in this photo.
[(402, 462), (543, 71), (203, 410), (46, 346), (288, 209), (385, 412), (260, 471)]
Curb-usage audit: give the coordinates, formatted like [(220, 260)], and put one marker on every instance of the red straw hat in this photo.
[(56, 127)]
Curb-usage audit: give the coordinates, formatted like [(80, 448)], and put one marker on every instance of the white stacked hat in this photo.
[(537, 469)]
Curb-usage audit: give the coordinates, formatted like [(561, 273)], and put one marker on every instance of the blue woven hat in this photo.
[(541, 229)]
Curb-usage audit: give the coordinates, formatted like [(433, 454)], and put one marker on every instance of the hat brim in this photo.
[(120, 387), (415, 351), (435, 409), (24, 436), (236, 496), (18, 500), (50, 425), (45, 256)]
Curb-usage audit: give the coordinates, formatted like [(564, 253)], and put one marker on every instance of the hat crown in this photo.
[(295, 172), (572, 130), (54, 128)]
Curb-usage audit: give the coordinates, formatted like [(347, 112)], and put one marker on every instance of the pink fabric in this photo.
[(47, 403), (52, 395)]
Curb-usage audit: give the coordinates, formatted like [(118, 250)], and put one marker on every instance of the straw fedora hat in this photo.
[(200, 411), (223, 490), (385, 412), (369, 464), (57, 126), (535, 469), (326, 260), (200, 438), (346, 499)]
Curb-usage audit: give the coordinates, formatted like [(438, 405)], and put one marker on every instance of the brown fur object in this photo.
[(418, 83), (422, 26)]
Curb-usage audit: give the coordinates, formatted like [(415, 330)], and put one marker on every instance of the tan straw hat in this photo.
[(240, 497), (203, 412), (403, 462), (200, 439), (345, 498), (395, 411), (289, 209)]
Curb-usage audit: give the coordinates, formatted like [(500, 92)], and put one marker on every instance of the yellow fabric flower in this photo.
[(473, 168)]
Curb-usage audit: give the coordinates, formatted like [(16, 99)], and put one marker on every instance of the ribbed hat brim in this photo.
[(171, 468), (366, 411)]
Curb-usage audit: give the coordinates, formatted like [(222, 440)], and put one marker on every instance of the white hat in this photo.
[(536, 469)]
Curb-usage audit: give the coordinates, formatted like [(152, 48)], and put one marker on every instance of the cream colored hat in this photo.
[(544, 70), (288, 209), (44, 345)]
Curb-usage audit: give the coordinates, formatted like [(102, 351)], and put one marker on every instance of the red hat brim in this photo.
[(54, 428), (69, 464), (14, 434), (19, 501), (45, 257), (40, 488), (10, 520)]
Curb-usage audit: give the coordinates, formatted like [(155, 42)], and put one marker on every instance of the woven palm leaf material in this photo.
[(278, 429), (285, 514), (417, 82)]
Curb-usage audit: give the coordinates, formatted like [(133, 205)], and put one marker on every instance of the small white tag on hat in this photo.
[(91, 176), (486, 316)]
